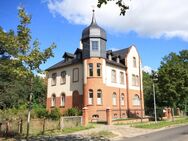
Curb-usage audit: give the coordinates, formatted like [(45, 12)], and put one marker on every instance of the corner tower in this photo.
[(94, 40)]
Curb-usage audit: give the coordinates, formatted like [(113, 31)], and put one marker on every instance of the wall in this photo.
[(68, 88)]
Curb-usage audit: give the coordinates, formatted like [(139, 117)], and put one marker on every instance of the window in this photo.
[(122, 78), (63, 77), (122, 99), (113, 75), (110, 57), (136, 100), (90, 100), (137, 80), (75, 75), (117, 60), (133, 80), (63, 100), (54, 75), (53, 100), (90, 69), (98, 69), (134, 62), (114, 99), (99, 97), (95, 45)]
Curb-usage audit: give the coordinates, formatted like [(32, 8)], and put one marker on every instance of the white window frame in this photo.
[(90, 99), (136, 100), (114, 99), (99, 99), (53, 100), (122, 99), (63, 99)]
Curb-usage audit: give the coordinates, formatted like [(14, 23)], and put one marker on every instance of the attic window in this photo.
[(110, 57), (117, 59), (95, 45)]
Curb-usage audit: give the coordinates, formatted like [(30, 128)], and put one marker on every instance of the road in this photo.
[(172, 134)]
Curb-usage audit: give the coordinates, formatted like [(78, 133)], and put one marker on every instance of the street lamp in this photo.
[(154, 77)]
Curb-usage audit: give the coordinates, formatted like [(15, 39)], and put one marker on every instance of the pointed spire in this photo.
[(93, 18)]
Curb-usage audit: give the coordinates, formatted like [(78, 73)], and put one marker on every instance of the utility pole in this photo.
[(154, 100)]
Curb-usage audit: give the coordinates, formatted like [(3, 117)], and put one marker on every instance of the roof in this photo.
[(89, 32), (64, 63), (122, 52), (115, 63), (68, 54)]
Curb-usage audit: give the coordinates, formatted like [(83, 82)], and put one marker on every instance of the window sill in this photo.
[(75, 81), (62, 83), (99, 104), (90, 104), (61, 106), (52, 107), (90, 77), (53, 85)]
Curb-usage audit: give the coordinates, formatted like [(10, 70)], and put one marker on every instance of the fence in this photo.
[(37, 126)]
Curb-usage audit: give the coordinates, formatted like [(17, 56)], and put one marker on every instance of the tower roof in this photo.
[(93, 30)]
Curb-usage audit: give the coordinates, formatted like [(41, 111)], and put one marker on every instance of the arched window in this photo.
[(90, 97), (62, 99), (134, 62), (98, 69), (114, 98), (122, 99), (99, 97), (53, 100), (136, 100)]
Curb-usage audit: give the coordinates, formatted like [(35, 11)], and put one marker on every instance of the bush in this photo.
[(73, 112), (55, 114), (41, 112)]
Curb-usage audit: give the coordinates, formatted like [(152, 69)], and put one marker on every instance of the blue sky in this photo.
[(62, 22)]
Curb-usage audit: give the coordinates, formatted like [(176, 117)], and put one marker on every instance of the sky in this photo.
[(155, 27)]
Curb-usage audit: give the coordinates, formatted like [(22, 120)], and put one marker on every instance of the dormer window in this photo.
[(95, 45), (117, 60), (110, 57)]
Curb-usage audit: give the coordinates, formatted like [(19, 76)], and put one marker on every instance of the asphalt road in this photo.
[(173, 134)]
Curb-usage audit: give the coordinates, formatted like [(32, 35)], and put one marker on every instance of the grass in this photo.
[(160, 124), (68, 130), (105, 134)]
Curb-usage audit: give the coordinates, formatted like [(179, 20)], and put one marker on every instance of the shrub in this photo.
[(41, 112), (72, 112), (55, 114)]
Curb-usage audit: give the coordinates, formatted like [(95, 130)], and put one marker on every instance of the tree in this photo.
[(173, 80), (29, 57), (123, 7)]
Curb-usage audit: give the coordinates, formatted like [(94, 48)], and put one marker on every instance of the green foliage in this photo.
[(40, 111), (73, 112), (173, 80), (18, 61), (123, 7), (55, 114)]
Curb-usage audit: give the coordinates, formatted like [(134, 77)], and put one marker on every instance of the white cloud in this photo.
[(147, 69), (149, 18)]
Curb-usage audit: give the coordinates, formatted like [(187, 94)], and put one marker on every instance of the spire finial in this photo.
[(93, 17)]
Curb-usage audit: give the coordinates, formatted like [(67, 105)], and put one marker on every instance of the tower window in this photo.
[(90, 97), (99, 97), (95, 45), (90, 69), (98, 69)]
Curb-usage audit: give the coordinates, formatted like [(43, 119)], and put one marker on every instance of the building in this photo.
[(97, 78)]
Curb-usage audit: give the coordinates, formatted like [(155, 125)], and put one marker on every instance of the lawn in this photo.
[(161, 124)]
